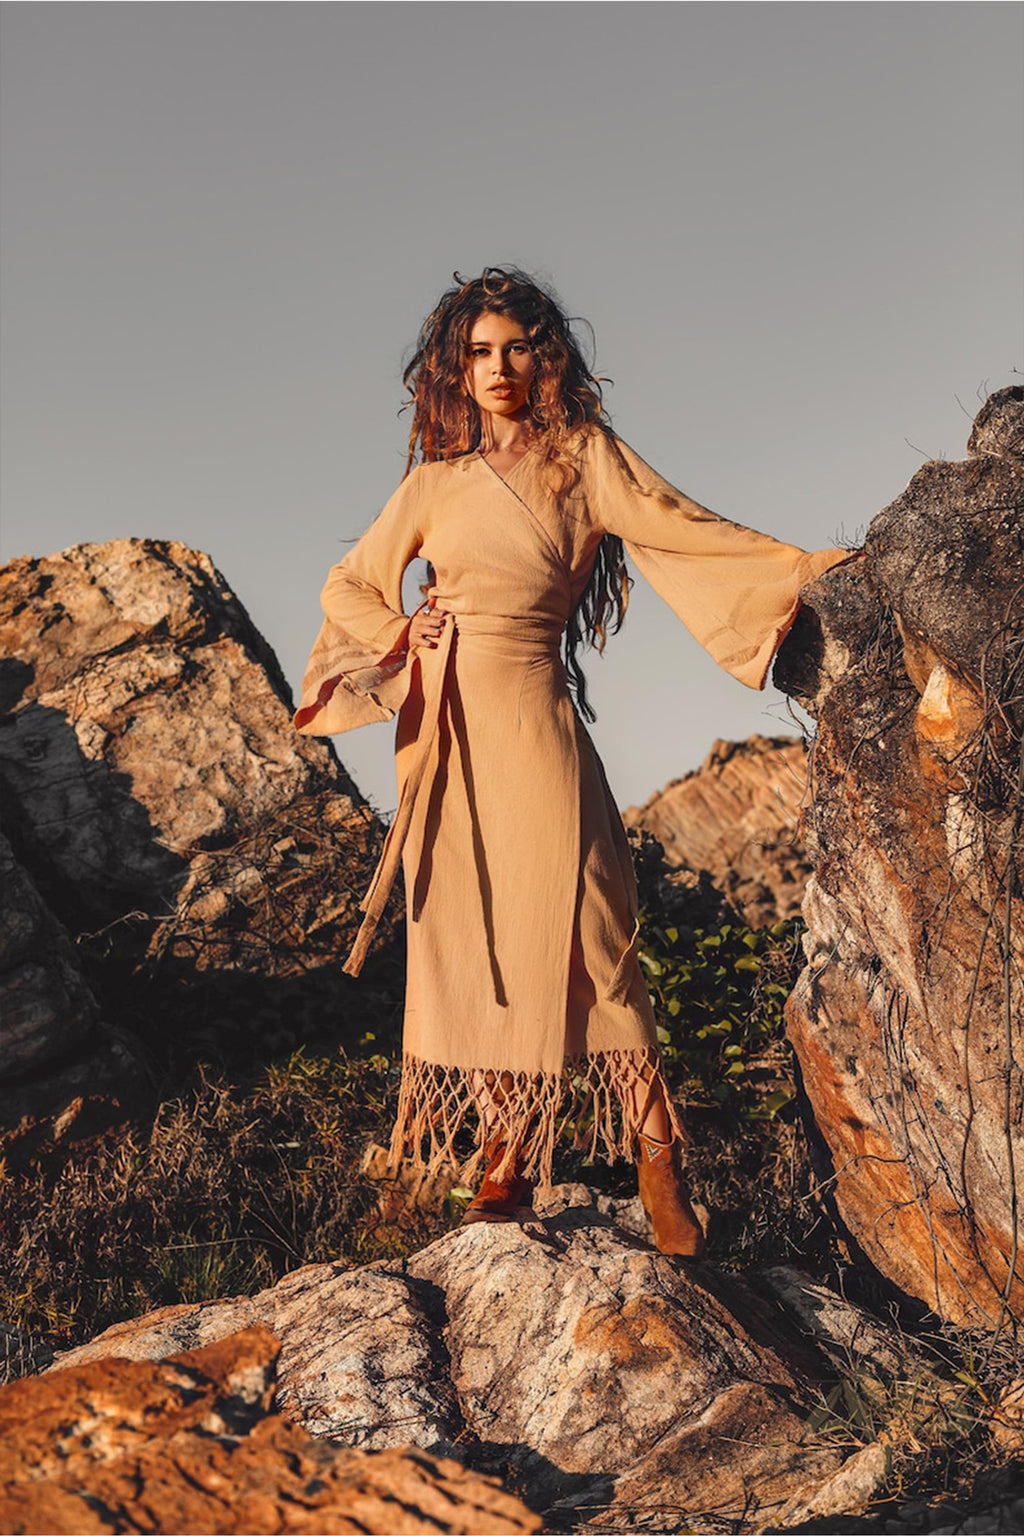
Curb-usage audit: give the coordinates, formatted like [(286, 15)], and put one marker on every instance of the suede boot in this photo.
[(664, 1197), (497, 1199)]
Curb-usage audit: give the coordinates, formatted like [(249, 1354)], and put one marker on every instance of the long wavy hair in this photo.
[(564, 396)]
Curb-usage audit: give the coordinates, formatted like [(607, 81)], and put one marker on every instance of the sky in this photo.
[(797, 231)]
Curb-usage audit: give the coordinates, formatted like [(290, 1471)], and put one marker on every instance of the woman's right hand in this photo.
[(425, 626)]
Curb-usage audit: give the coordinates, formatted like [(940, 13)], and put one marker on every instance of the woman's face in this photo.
[(500, 366)]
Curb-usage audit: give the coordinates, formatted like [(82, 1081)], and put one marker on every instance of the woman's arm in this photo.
[(736, 590), (354, 674), (363, 592)]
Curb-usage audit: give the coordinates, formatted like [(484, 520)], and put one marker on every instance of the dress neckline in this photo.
[(504, 477)]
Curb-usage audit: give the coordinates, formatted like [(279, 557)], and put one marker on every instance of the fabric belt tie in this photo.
[(375, 900), (531, 631)]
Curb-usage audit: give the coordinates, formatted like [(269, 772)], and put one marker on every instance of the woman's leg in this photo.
[(502, 1190), (663, 1191), (656, 1123)]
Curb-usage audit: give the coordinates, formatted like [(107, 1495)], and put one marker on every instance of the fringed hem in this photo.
[(601, 1100)]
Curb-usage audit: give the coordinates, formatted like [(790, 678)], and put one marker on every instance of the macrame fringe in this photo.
[(602, 1100)]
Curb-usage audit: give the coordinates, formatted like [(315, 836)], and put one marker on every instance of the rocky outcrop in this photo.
[(55, 1045), (618, 1386), (154, 790), (192, 1444), (907, 1020), (44, 999), (737, 817)]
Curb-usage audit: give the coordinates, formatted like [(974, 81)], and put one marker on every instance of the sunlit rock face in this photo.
[(738, 817), (610, 1383), (159, 803), (148, 720), (192, 1443), (907, 1020)]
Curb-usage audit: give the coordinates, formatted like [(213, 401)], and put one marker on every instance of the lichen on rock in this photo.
[(907, 1019)]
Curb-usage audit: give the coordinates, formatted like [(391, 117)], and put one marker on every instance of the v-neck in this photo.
[(515, 466), (537, 521)]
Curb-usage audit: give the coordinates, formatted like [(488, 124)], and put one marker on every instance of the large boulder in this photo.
[(154, 790), (737, 817), (46, 1003), (907, 1018), (54, 1044), (192, 1444), (618, 1386)]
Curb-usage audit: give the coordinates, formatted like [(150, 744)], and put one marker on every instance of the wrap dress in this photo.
[(525, 998)]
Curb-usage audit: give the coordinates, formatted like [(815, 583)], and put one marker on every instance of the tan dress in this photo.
[(524, 993)]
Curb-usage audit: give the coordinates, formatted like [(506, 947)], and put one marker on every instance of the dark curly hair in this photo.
[(564, 395)]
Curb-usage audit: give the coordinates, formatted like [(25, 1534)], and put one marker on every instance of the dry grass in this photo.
[(225, 1191), (243, 1173)]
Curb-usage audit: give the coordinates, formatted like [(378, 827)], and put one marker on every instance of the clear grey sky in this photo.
[(796, 229)]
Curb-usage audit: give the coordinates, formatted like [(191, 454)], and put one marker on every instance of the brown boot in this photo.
[(497, 1199), (664, 1197)]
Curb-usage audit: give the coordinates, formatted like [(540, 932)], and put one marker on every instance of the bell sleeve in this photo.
[(737, 591), (358, 670)]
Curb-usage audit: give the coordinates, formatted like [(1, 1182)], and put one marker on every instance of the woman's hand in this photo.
[(426, 626)]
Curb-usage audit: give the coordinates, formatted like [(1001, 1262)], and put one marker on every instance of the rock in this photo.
[(849, 1333), (618, 1385), (849, 1490), (191, 1444), (998, 430), (882, 1381), (47, 1006), (737, 816), (1006, 1424), (54, 1045), (907, 1018), (158, 798), (561, 1352), (994, 1506), (152, 722)]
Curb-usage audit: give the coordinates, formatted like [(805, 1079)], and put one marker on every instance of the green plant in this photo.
[(718, 994)]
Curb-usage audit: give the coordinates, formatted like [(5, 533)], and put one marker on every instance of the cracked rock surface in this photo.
[(160, 807), (192, 1443), (907, 1020), (568, 1357), (738, 817)]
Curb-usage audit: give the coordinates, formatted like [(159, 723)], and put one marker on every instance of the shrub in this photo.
[(718, 994)]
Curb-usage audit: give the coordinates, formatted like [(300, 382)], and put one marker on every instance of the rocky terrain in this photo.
[(907, 1021), (180, 868), (737, 817), (170, 836), (543, 1354), (193, 1444)]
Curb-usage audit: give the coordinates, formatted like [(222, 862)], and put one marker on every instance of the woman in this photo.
[(525, 1002)]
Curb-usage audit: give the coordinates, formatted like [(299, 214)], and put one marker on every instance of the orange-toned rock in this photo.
[(909, 1018), (190, 1444), (602, 1375), (156, 794), (1006, 1420), (738, 817)]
